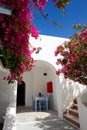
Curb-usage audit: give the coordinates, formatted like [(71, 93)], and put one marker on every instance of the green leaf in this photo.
[(66, 1)]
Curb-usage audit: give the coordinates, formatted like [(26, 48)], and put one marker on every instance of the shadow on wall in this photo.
[(10, 115), (70, 90), (11, 122)]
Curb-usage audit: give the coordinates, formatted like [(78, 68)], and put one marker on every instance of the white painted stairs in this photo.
[(71, 115)]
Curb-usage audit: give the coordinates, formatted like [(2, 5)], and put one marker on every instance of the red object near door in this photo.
[(50, 87)]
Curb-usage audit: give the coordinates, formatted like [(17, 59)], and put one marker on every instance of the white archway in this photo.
[(36, 81)]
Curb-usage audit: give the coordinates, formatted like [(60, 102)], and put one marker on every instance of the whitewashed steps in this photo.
[(71, 115)]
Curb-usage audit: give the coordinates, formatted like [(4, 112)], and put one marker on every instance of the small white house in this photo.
[(64, 91), (44, 71)]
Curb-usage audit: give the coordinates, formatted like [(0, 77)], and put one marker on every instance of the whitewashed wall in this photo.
[(4, 88), (8, 101), (48, 45), (7, 91), (68, 91), (28, 79), (82, 108), (10, 115)]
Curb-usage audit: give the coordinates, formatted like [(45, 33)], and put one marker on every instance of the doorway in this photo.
[(21, 94)]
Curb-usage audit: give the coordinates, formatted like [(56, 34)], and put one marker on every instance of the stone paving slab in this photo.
[(46, 125), (35, 116), (49, 120)]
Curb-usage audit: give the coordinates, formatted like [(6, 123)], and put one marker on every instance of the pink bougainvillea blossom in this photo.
[(74, 58)]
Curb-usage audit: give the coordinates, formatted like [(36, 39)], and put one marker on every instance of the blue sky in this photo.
[(76, 13)]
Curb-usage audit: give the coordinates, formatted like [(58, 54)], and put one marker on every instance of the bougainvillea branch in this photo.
[(15, 31), (74, 58)]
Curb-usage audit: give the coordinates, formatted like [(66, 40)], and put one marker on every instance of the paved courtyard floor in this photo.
[(30, 120)]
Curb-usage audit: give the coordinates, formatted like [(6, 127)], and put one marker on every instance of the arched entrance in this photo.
[(21, 94), (37, 79), (46, 73)]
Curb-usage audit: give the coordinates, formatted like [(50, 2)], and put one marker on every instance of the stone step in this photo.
[(75, 100), (74, 112), (75, 106), (72, 119)]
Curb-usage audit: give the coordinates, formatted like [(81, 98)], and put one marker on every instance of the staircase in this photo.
[(71, 115)]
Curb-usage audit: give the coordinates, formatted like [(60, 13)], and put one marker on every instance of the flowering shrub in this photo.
[(15, 31), (74, 58)]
